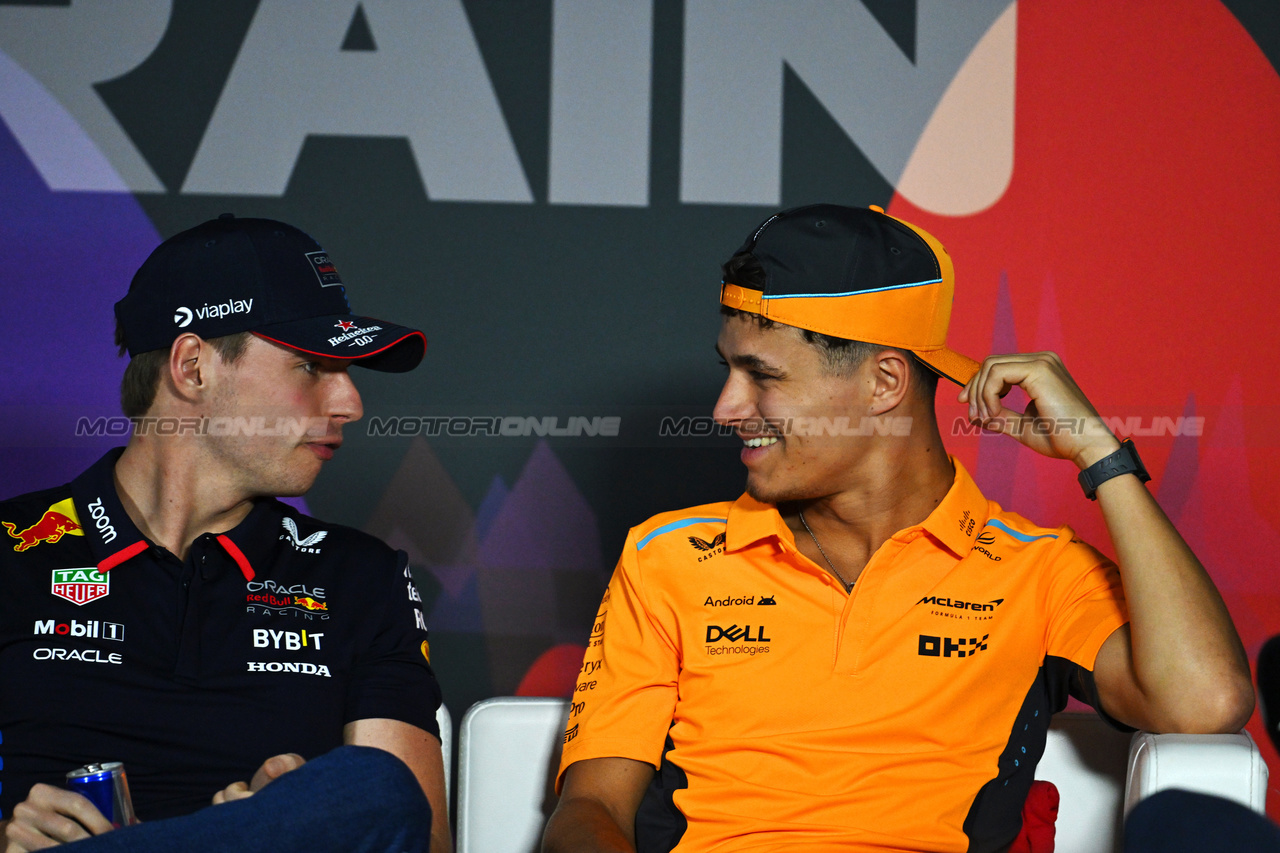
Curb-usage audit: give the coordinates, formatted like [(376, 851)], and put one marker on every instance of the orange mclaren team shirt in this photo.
[(783, 713)]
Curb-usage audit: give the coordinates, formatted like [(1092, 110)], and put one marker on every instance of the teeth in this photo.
[(761, 442)]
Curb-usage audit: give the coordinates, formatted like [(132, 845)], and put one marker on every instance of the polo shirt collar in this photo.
[(115, 539), (256, 537), (960, 517), (955, 522)]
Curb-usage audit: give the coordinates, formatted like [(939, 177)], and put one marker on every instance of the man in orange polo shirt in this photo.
[(862, 652)]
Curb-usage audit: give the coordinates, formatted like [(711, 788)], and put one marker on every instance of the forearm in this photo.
[(1188, 663), (581, 825), (441, 840)]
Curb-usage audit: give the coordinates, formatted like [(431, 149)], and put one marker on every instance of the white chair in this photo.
[(1101, 774), (508, 751), (445, 722), (1226, 765), (509, 748)]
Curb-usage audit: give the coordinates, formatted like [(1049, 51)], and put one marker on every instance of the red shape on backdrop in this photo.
[(1142, 213), (554, 673)]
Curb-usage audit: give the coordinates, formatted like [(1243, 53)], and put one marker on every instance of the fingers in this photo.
[(51, 816), (1059, 420), (1000, 374), (234, 791), (275, 767)]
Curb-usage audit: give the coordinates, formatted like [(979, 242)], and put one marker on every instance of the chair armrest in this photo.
[(1228, 766)]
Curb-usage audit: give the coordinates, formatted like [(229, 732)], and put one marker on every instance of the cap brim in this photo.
[(370, 343), (950, 364)]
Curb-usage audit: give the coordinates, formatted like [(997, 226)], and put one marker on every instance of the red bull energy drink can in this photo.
[(106, 786)]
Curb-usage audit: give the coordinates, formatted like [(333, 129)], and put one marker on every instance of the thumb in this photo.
[(275, 767)]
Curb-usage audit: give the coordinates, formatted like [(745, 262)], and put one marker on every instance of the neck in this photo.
[(167, 490), (896, 487)]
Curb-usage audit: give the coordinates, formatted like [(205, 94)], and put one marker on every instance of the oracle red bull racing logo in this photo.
[(58, 520), (80, 586), (298, 600)]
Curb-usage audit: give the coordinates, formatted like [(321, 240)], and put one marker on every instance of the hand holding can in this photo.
[(106, 786)]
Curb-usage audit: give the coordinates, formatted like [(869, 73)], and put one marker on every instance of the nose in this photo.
[(736, 402), (344, 398)]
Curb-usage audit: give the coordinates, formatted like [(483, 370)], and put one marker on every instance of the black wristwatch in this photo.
[(1123, 461)]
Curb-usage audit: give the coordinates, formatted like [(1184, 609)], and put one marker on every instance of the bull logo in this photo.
[(58, 520)]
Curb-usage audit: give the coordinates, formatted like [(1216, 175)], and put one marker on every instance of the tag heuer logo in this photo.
[(80, 586)]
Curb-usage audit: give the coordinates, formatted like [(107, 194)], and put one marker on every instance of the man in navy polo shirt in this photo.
[(164, 610)]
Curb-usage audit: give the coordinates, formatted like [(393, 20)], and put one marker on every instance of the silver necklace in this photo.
[(848, 585)]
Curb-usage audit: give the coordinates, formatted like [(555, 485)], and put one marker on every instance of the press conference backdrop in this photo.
[(547, 188)]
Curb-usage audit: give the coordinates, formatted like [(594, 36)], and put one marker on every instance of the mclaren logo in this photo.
[(941, 601), (704, 545)]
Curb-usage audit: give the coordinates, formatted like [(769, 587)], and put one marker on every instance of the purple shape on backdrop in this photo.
[(68, 256), (462, 614), (299, 503), (997, 454), (1180, 470), (491, 505), (544, 524)]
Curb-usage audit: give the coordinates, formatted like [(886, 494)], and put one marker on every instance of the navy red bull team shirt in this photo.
[(268, 638)]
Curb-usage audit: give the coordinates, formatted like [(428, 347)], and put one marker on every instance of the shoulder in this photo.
[(1012, 535), (37, 502), (701, 528), (305, 531), (44, 518)]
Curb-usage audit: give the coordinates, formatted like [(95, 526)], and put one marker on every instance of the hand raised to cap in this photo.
[(1059, 421)]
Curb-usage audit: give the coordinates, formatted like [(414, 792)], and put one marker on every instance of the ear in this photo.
[(891, 373), (188, 359)]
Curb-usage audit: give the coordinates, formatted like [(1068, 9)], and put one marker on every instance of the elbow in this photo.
[(1223, 709)]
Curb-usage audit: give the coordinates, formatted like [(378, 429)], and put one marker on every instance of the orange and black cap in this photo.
[(858, 274), (232, 275)]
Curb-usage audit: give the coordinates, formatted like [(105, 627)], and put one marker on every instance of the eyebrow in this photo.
[(751, 362)]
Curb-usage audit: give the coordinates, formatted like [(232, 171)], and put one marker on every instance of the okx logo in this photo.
[(932, 647)]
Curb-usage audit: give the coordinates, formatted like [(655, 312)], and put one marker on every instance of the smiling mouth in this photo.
[(760, 442)]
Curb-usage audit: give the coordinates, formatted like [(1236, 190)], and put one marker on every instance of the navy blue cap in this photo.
[(232, 275)]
